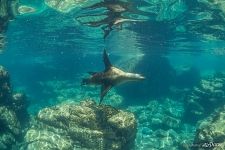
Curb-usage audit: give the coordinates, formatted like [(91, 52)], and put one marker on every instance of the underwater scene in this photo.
[(112, 74)]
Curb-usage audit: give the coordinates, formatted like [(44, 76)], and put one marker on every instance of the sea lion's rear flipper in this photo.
[(104, 89), (106, 60)]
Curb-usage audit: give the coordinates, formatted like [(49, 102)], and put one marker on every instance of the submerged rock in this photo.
[(7, 12), (86, 126), (13, 114), (205, 98), (160, 126), (6, 140), (9, 121), (47, 140), (211, 132)]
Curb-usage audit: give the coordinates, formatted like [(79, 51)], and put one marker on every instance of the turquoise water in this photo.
[(174, 44)]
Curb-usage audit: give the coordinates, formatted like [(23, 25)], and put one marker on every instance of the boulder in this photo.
[(85, 126), (205, 98), (160, 126), (9, 120), (211, 132), (6, 140)]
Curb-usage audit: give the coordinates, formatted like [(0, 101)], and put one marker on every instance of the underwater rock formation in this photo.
[(205, 98), (85, 126), (13, 114), (211, 132), (7, 12), (205, 23), (5, 90), (160, 125)]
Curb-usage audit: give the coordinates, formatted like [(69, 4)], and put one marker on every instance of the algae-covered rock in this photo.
[(122, 123), (6, 140), (69, 115), (46, 140), (9, 120), (84, 126), (211, 132)]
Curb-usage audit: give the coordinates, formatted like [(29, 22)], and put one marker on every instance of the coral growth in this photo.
[(86, 126)]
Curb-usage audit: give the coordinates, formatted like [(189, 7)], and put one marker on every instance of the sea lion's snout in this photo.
[(139, 77), (134, 76)]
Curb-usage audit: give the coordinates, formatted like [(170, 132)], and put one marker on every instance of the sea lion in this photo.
[(110, 77)]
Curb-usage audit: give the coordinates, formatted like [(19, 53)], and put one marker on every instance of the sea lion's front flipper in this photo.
[(104, 89), (106, 60)]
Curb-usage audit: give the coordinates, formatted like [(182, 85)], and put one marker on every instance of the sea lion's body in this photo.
[(110, 77), (113, 76)]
